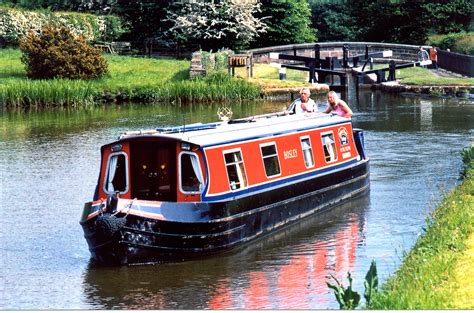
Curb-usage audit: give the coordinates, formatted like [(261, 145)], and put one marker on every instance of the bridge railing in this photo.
[(455, 62)]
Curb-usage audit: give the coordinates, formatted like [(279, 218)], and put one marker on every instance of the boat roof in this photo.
[(253, 127)]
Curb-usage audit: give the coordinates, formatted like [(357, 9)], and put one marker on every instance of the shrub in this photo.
[(456, 42), (57, 53), (17, 23), (215, 61)]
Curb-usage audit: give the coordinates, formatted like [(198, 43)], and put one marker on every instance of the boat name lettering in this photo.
[(290, 154)]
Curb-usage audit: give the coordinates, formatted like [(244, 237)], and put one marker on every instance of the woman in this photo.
[(338, 106)]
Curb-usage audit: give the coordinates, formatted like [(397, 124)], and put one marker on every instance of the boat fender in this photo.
[(107, 225), (111, 203)]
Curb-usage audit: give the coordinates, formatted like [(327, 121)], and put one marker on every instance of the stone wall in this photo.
[(196, 68)]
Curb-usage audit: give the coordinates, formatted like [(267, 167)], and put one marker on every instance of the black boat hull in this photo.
[(227, 224)]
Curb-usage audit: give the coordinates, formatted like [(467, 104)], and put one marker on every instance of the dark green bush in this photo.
[(57, 53), (456, 42)]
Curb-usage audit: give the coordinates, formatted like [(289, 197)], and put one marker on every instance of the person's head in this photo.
[(304, 94), (332, 98)]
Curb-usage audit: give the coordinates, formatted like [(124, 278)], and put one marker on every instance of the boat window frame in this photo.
[(201, 185), (127, 179), (267, 144), (245, 183), (331, 133), (307, 137)]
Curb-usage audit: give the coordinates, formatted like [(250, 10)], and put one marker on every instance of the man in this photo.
[(304, 103), (422, 54), (434, 58), (338, 106)]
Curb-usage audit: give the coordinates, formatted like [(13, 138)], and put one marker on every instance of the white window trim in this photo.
[(273, 143), (224, 152), (335, 146), (104, 187), (311, 149), (201, 187)]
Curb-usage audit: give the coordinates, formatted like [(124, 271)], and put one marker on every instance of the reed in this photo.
[(427, 277), (47, 93)]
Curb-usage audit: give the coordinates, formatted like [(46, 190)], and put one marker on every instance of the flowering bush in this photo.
[(230, 23), (57, 53), (16, 23)]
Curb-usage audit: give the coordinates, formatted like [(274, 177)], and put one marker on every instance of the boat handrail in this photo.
[(260, 116)]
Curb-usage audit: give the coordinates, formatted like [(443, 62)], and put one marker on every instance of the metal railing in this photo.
[(455, 62)]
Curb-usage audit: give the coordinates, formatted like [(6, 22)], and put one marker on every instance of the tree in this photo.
[(332, 20), (444, 17), (227, 23), (289, 22), (396, 21)]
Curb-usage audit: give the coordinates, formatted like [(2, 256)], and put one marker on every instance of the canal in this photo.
[(49, 163)]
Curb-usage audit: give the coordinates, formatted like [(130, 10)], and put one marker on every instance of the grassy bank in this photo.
[(427, 77), (129, 79), (431, 275), (160, 80)]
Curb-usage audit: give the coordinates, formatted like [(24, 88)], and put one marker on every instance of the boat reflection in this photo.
[(287, 270)]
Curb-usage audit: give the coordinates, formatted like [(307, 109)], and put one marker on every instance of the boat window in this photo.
[(329, 147), (191, 179), (270, 159), (307, 152), (154, 175), (235, 170), (116, 179)]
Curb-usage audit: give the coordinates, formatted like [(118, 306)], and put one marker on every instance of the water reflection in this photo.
[(287, 270)]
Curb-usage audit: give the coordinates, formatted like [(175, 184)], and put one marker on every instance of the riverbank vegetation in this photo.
[(427, 77), (160, 80), (430, 276), (129, 79)]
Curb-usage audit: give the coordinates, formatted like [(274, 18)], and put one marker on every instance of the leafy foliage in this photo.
[(145, 18), (16, 23), (332, 20), (289, 22), (445, 17), (347, 298), (371, 282), (228, 22), (456, 42), (57, 53), (397, 21)]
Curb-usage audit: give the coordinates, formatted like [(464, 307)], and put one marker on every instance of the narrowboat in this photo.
[(181, 192)]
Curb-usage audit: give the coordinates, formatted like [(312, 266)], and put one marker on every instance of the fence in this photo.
[(455, 62)]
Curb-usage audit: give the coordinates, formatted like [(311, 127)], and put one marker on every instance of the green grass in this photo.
[(423, 76), (427, 277), (267, 77), (129, 79), (426, 77)]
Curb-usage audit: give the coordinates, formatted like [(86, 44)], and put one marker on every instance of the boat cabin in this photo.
[(224, 161)]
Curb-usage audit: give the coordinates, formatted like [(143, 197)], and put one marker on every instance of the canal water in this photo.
[(49, 163)]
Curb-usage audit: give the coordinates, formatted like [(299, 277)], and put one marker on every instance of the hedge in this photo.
[(16, 23), (456, 42)]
